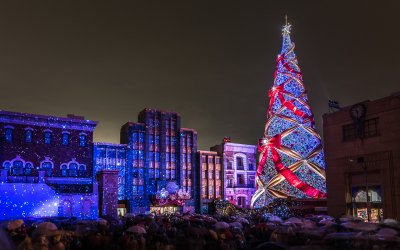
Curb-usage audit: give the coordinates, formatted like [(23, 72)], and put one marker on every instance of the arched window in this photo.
[(82, 169), (73, 169), (8, 134), (65, 138), (361, 195), (7, 165), (239, 163), (64, 169), (28, 136), (82, 140), (18, 168), (241, 201), (47, 166), (28, 168)]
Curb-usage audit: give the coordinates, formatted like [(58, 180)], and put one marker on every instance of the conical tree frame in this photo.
[(291, 162)]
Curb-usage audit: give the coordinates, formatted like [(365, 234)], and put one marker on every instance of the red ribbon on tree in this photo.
[(279, 91), (273, 144)]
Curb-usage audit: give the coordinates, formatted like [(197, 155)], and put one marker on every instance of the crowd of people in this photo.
[(193, 232)]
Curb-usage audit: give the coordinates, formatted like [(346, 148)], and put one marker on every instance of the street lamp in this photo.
[(361, 161)]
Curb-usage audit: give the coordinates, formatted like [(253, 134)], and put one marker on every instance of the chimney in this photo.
[(226, 139)]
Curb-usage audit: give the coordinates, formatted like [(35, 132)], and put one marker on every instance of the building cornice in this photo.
[(46, 121)]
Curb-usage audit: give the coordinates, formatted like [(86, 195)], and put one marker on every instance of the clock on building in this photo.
[(357, 111)]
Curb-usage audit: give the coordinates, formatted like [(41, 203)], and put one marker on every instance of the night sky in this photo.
[(211, 62)]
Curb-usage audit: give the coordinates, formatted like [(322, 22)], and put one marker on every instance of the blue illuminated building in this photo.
[(133, 135), (46, 166), (188, 165), (50, 165), (109, 156), (160, 155)]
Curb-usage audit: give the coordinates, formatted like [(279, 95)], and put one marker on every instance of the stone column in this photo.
[(108, 193)]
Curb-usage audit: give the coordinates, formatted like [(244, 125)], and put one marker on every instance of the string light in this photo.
[(292, 158)]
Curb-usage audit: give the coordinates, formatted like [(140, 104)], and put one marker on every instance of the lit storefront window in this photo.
[(360, 203)]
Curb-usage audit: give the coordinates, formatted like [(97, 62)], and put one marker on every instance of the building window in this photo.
[(239, 163), (28, 136), (9, 134), (47, 137), (152, 175), (141, 137), (360, 195), (65, 139), (174, 140), (367, 128), (251, 166), (82, 140), (7, 165), (229, 181), (240, 179), (82, 169), (371, 127), (241, 201), (157, 174), (47, 167), (349, 132), (64, 170), (135, 190), (73, 169), (173, 174), (18, 168), (360, 203), (28, 168)]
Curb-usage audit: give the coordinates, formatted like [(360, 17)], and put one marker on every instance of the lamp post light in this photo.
[(361, 161)]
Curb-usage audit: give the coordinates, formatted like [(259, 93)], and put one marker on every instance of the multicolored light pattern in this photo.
[(292, 159)]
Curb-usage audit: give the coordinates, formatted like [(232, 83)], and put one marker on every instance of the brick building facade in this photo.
[(363, 153), (49, 155)]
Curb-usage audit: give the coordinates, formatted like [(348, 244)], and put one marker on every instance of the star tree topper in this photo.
[(286, 28)]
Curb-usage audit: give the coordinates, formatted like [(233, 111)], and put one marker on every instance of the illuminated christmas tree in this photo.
[(291, 155)]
